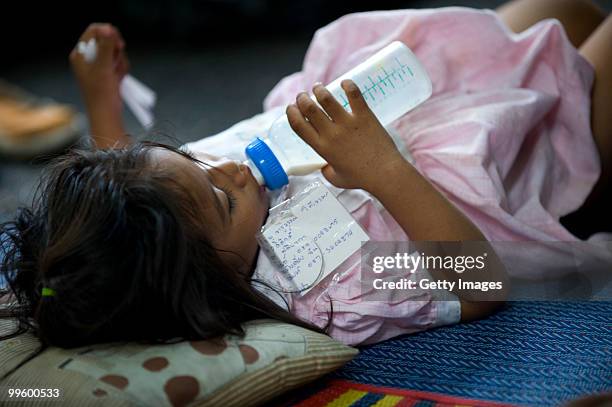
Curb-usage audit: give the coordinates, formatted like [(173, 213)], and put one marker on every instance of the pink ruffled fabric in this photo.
[(506, 134)]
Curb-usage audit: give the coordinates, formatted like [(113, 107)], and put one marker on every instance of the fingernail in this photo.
[(347, 83)]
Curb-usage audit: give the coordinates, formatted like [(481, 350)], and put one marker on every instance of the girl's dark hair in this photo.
[(121, 245)]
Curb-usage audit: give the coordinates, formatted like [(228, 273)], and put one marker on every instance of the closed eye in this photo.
[(231, 200)]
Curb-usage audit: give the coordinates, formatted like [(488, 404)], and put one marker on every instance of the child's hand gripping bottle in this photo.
[(392, 82)]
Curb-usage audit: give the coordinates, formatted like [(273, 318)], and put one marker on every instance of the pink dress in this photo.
[(505, 135)]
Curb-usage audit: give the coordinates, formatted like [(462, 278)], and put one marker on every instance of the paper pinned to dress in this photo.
[(308, 236)]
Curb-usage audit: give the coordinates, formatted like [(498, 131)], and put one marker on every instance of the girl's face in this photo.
[(234, 205)]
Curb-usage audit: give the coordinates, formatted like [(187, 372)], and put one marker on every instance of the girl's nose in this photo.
[(232, 169)]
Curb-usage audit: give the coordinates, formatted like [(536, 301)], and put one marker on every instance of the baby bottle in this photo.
[(392, 82)]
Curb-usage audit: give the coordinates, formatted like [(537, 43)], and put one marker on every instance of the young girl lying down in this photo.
[(142, 241)]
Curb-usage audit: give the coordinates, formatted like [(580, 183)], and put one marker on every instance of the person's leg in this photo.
[(579, 17), (597, 49), (594, 214)]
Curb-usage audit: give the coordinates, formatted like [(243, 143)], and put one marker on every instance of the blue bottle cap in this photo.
[(262, 156)]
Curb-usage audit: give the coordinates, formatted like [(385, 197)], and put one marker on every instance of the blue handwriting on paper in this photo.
[(313, 242)]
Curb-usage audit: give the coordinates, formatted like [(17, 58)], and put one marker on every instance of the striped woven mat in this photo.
[(343, 393)]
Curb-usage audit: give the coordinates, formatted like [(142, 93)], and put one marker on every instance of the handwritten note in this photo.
[(310, 238)]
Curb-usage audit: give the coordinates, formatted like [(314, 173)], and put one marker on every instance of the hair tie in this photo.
[(48, 292)]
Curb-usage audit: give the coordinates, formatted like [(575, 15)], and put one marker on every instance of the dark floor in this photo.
[(201, 90)]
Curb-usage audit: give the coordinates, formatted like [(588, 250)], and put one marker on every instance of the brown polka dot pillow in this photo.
[(273, 357)]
